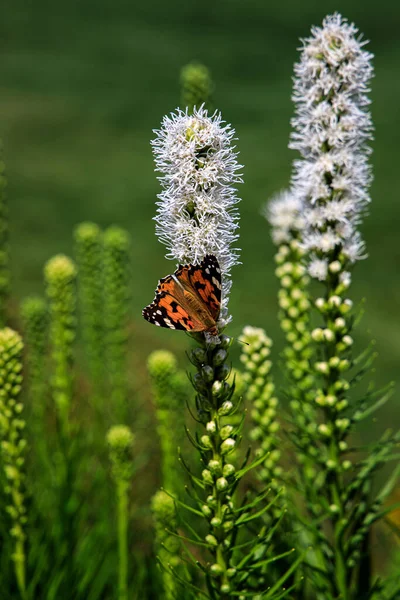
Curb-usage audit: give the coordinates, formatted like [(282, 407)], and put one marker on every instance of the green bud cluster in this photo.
[(217, 408), (60, 277), (120, 441), (196, 86), (260, 391), (294, 315), (35, 319), (167, 544), (89, 254), (13, 444), (170, 393), (294, 308), (4, 245), (116, 279), (217, 445)]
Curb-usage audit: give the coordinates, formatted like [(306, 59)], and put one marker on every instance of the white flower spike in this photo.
[(284, 212), (332, 128), (197, 212)]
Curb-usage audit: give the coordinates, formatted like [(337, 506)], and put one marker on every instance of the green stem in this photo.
[(19, 561), (122, 541)]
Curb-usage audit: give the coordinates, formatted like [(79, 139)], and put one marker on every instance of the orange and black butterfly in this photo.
[(189, 299)]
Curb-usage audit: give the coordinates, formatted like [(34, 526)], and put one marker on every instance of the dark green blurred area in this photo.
[(83, 84)]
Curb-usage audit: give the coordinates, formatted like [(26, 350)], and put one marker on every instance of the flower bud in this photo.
[(217, 388), (322, 367), (206, 510), (228, 470), (225, 341), (220, 357), (226, 407), (223, 372), (340, 323), (317, 334), (207, 477), (211, 427), (206, 441), (226, 432), (344, 365), (212, 540), (215, 467), (227, 445), (324, 429), (335, 301), (228, 526), (198, 356), (334, 362), (216, 570), (222, 484), (207, 373), (335, 266)]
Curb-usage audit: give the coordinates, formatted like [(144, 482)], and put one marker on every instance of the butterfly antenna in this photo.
[(242, 341)]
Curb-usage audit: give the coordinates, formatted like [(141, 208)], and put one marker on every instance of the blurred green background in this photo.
[(83, 84)]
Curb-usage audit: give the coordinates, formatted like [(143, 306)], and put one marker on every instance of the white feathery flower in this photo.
[(345, 278), (323, 241), (332, 128), (197, 213), (284, 212), (354, 248), (318, 268)]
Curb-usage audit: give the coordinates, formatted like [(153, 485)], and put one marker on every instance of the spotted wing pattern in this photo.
[(171, 308), (206, 280)]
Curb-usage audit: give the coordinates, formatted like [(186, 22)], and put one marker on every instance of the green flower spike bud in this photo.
[(35, 318), (120, 441), (60, 276), (167, 545), (170, 391), (13, 446), (116, 279), (88, 249), (196, 86)]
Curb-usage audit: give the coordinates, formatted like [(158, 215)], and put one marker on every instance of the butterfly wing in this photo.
[(205, 278), (189, 299), (168, 308)]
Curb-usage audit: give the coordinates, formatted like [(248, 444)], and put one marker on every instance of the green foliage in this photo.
[(4, 248), (231, 524), (13, 448), (197, 86)]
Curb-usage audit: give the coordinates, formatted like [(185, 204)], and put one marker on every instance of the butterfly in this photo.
[(189, 299)]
